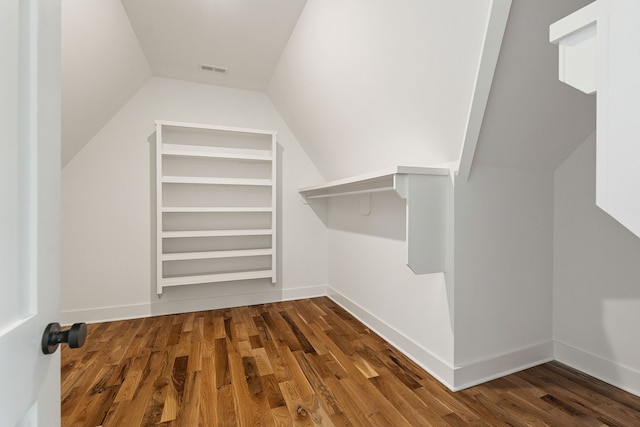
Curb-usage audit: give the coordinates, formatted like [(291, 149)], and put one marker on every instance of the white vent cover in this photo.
[(213, 68)]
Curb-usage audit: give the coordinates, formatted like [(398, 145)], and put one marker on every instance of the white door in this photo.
[(29, 210)]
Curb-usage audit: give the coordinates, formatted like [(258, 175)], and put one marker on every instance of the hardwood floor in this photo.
[(301, 363)]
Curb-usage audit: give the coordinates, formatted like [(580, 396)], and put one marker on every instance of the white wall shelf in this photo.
[(202, 209), (218, 277), (429, 197), (216, 204), (385, 180), (215, 233), (214, 181), (182, 256), (599, 51), (213, 152), (576, 36)]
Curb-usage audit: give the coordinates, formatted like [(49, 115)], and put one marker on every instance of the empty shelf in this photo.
[(369, 183), (216, 233), (218, 277), (213, 152), (182, 256), (207, 209), (215, 181)]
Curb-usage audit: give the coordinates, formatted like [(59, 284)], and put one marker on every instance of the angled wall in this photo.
[(504, 212), (103, 65), (596, 294), (365, 85)]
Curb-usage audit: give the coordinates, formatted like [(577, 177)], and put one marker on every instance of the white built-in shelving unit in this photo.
[(215, 204), (428, 192), (599, 52)]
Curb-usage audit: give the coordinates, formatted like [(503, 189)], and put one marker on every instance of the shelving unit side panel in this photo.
[(274, 203), (159, 204)]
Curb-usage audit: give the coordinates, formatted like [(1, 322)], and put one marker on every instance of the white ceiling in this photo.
[(111, 48), (245, 36), (363, 84)]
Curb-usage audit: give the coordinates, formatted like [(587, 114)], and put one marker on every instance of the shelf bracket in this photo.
[(428, 194)]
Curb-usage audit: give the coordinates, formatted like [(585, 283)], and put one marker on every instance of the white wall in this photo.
[(497, 316), (596, 298), (369, 276), (107, 267), (503, 272), (367, 84), (504, 213)]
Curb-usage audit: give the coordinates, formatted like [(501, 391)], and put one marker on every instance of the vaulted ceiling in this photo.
[(370, 79), (242, 40), (110, 48), (363, 84)]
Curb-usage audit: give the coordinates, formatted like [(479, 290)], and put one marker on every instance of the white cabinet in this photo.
[(599, 51), (215, 204)]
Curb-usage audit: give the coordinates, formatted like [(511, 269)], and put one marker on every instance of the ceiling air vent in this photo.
[(213, 68)]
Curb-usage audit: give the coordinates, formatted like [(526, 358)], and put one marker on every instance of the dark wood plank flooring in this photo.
[(301, 363)]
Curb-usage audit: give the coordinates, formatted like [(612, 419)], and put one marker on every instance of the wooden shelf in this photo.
[(429, 219), (215, 181), (385, 180), (215, 278), (215, 233)]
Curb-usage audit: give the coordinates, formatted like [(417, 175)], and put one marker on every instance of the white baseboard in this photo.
[(105, 314), (438, 368), (610, 372), (302, 293), (479, 372), (160, 308), (454, 378)]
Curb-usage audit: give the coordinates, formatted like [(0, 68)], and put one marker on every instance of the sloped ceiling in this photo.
[(368, 84), (102, 67), (363, 84), (246, 37), (111, 48), (533, 121)]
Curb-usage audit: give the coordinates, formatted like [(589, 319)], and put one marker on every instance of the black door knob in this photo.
[(54, 335)]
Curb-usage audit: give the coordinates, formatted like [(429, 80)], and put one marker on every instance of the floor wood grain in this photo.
[(301, 363)]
